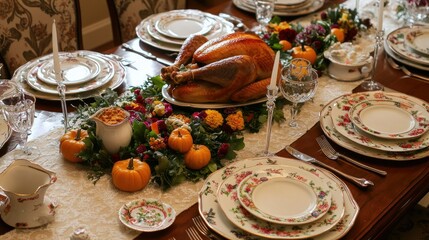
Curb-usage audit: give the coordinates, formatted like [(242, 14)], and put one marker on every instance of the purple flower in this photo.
[(223, 150)]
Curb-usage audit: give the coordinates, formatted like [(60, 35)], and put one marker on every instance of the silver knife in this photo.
[(146, 54), (302, 156)]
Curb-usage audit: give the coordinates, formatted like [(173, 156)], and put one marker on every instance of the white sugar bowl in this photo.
[(348, 62)]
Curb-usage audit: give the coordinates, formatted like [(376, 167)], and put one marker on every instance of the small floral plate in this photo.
[(147, 215)]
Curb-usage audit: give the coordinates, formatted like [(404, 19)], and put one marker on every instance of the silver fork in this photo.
[(405, 70), (330, 152), (202, 227), (193, 234)]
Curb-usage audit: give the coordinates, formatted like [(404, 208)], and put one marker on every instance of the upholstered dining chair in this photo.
[(125, 15), (26, 29)]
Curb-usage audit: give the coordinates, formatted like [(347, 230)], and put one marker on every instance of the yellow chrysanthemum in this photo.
[(214, 119), (277, 27), (235, 121), (157, 144)]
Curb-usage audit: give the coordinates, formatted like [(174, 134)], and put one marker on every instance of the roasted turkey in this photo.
[(235, 67)]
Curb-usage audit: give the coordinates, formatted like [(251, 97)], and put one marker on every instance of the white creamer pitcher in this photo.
[(25, 184), (115, 134)]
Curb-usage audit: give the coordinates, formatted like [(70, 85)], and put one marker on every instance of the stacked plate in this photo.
[(410, 46), (391, 126), (284, 7), (169, 30), (276, 198), (85, 73)]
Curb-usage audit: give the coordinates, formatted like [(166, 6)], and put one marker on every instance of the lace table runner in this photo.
[(95, 207)]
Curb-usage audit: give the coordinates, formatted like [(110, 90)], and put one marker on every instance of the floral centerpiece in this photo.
[(335, 25), (153, 120)]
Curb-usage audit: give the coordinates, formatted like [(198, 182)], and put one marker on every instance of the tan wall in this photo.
[(96, 28)]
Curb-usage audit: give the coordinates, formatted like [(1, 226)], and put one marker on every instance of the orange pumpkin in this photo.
[(197, 157), (286, 45), (130, 175), (339, 34), (305, 52), (180, 140), (71, 144)]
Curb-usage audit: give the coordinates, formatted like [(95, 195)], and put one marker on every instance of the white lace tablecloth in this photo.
[(95, 207)]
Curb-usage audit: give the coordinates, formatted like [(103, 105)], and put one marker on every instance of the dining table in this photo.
[(95, 206)]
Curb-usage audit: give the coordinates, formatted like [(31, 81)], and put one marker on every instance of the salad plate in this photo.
[(327, 125), (287, 195), (395, 41), (147, 215), (340, 115), (181, 25), (5, 131), (76, 69), (372, 117), (346, 209), (418, 40)]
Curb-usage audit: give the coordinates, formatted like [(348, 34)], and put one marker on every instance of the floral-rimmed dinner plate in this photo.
[(215, 218), (340, 115), (327, 125), (418, 40), (286, 195), (314, 6), (181, 25), (147, 215), (76, 69), (119, 74), (228, 200), (102, 78), (409, 120), (167, 97), (395, 40), (5, 131), (403, 60)]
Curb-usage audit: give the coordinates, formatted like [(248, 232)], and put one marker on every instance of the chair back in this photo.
[(125, 15), (26, 29)]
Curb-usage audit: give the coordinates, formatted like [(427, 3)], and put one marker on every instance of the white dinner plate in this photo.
[(155, 41), (287, 195), (147, 215), (395, 40), (76, 69), (390, 119), (5, 131), (181, 25), (240, 217), (341, 117), (167, 97), (341, 198), (119, 74), (330, 131), (418, 40)]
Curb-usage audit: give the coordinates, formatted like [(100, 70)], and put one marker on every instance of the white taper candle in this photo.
[(57, 67), (274, 74)]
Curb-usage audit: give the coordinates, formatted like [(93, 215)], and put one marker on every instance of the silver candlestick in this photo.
[(62, 92), (271, 99), (371, 84)]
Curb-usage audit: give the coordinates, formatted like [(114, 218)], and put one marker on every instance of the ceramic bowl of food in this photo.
[(348, 62)]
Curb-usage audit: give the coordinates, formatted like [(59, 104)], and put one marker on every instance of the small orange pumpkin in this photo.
[(71, 144), (130, 175), (180, 140), (197, 157), (305, 52)]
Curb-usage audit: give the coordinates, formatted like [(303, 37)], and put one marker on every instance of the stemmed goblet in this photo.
[(18, 110), (298, 85), (264, 13)]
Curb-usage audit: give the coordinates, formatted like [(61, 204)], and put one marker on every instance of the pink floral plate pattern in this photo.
[(147, 215), (218, 222), (410, 119), (227, 197), (327, 125), (341, 118), (301, 196), (395, 40)]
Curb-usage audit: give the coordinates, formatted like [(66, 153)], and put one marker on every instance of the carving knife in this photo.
[(146, 54)]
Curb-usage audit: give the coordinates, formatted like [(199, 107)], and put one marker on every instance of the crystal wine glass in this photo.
[(18, 110), (298, 85), (264, 13)]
